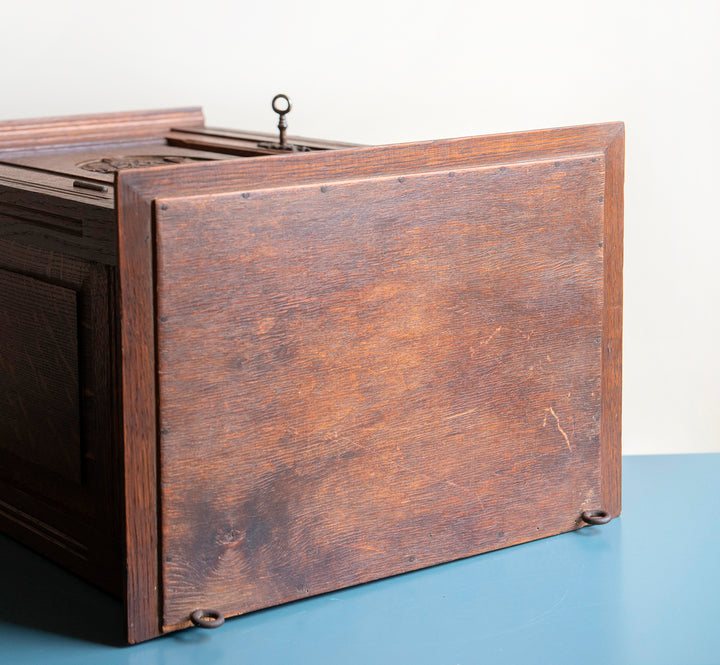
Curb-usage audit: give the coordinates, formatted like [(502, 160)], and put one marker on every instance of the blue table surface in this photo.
[(643, 589)]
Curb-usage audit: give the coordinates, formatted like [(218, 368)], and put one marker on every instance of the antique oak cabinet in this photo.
[(235, 373)]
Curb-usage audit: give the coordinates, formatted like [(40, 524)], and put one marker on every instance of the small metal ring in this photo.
[(207, 618), (595, 516), (280, 111)]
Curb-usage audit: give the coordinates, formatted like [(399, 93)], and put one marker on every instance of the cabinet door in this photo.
[(377, 360)]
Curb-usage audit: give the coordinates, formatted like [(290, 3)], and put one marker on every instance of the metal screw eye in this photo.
[(279, 110), (207, 618), (282, 122), (595, 516)]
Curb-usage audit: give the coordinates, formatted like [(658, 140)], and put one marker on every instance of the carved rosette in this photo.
[(113, 164)]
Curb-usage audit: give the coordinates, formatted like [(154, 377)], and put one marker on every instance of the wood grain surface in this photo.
[(39, 383), (136, 192), (52, 134), (376, 375), (298, 372), (59, 490), (400, 159), (611, 424), (78, 163), (45, 211), (138, 423)]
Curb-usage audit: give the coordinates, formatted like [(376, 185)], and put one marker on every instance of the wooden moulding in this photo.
[(137, 341), (611, 423), (57, 133), (344, 365)]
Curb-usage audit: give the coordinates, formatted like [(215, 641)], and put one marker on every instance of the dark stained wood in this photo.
[(74, 163), (237, 147), (22, 136), (70, 513), (42, 210), (243, 144), (378, 376), (91, 552), (27, 179), (39, 383), (255, 137), (23, 262), (137, 376)]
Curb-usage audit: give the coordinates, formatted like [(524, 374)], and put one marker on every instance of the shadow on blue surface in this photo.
[(37, 594), (440, 610), (643, 589)]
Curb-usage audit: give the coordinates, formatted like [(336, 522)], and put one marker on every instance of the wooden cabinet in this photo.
[(234, 375)]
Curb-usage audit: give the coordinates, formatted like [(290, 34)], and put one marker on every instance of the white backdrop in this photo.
[(385, 72)]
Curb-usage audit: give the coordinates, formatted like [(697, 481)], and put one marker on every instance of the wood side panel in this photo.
[(19, 135), (611, 428), (378, 375), (251, 174), (136, 321)]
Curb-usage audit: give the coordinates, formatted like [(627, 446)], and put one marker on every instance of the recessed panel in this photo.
[(39, 391), (364, 378)]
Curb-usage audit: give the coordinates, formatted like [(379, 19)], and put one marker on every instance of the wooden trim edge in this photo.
[(48, 132), (224, 176), (137, 335), (611, 418)]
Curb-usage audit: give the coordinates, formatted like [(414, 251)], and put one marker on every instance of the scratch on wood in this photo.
[(557, 422), (459, 415), (487, 339)]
